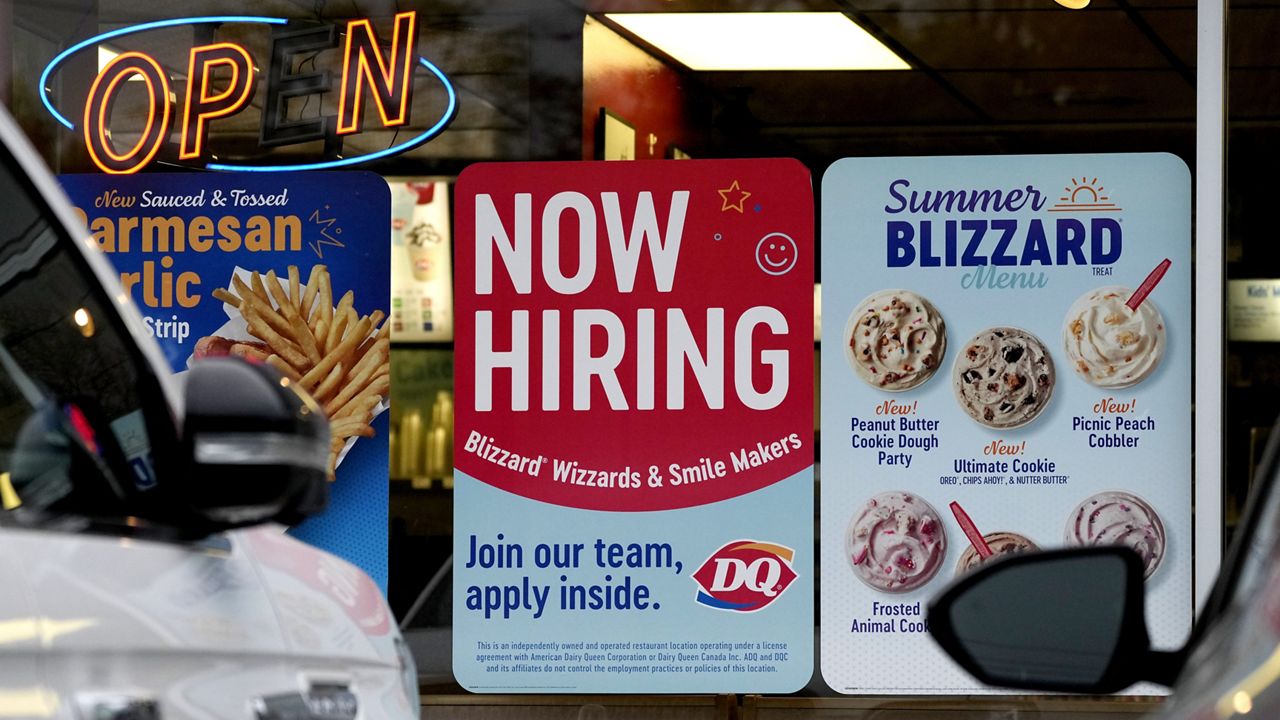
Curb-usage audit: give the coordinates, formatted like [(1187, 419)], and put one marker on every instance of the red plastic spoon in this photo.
[(1148, 285), (971, 531)]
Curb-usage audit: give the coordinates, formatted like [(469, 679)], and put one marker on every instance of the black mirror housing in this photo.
[(256, 445), (1058, 621)]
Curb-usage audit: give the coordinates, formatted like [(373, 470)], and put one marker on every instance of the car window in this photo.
[(1251, 558), (80, 409)]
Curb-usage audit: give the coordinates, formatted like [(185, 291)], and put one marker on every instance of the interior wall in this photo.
[(664, 106)]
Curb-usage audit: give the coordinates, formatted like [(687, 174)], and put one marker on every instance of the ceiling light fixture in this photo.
[(762, 40), (1073, 4)]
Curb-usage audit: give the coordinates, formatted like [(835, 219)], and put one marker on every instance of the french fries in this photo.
[(339, 356)]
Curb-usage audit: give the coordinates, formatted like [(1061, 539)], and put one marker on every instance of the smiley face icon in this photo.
[(776, 254)]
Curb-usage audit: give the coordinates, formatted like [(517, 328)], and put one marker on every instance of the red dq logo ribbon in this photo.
[(745, 575)]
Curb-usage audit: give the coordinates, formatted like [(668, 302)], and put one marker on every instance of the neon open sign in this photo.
[(389, 80)]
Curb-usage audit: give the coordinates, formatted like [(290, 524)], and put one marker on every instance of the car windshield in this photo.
[(76, 438)]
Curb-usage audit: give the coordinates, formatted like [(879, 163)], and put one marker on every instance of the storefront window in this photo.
[(527, 80)]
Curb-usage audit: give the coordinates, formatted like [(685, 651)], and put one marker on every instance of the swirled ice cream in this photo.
[(896, 542), (895, 339), (1110, 345), (1119, 518), (1003, 377), (1001, 544)]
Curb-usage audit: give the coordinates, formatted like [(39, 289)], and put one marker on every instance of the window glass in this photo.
[(536, 80), (1252, 360), (74, 400)]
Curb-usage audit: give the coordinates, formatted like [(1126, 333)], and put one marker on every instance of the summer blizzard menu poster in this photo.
[(288, 269), (634, 438), (1006, 365)]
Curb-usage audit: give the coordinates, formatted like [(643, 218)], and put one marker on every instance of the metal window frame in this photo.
[(1210, 202)]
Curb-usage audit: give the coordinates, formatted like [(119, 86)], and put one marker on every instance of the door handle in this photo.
[(117, 706), (320, 702)]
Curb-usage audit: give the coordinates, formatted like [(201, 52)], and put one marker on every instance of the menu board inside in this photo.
[(421, 268), (1006, 366)]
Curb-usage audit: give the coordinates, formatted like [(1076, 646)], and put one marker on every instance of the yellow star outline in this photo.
[(733, 204)]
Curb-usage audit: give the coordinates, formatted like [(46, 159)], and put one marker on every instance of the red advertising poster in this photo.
[(634, 436)]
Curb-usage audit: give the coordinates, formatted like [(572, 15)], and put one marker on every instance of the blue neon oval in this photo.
[(143, 27)]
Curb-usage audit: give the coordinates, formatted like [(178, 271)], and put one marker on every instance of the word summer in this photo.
[(603, 341)]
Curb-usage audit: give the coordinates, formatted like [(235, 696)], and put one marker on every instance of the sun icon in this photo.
[(1079, 187), (1084, 194)]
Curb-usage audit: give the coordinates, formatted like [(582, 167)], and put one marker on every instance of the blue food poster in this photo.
[(289, 269)]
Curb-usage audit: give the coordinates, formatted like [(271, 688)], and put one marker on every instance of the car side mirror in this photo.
[(1066, 620), (256, 445)]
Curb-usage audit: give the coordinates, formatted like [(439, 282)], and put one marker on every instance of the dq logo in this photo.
[(745, 575)]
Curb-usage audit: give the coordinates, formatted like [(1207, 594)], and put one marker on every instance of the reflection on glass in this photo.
[(71, 388), (422, 417), (84, 321)]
